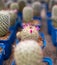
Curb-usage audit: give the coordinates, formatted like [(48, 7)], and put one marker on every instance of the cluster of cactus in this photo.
[(21, 4), (27, 14), (28, 52), (37, 8), (54, 15), (4, 23), (28, 33), (14, 6)]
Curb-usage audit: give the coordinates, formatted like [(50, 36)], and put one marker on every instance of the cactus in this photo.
[(4, 23), (22, 4), (1, 5), (37, 8), (29, 32), (28, 52), (13, 17), (27, 14), (54, 15), (14, 6)]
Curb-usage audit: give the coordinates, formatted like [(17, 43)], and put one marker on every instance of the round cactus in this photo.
[(28, 52), (27, 14), (4, 23), (54, 15), (14, 6), (29, 32), (22, 4), (37, 8)]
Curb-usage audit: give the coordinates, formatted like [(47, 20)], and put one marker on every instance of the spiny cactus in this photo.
[(14, 6), (29, 32), (27, 14), (54, 15), (28, 52), (4, 23), (22, 4), (37, 8)]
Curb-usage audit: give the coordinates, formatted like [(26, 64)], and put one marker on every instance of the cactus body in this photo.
[(54, 15), (37, 8), (28, 53), (14, 6), (27, 14), (4, 23), (28, 33)]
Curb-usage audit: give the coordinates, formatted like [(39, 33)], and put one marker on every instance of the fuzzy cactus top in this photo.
[(37, 8), (28, 52), (54, 12), (27, 14), (4, 22), (14, 6), (29, 32)]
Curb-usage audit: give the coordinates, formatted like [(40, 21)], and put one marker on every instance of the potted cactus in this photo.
[(28, 33)]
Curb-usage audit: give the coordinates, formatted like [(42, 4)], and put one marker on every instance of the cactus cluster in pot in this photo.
[(37, 6), (14, 6), (28, 52), (54, 16), (27, 14), (28, 33), (21, 4), (4, 22)]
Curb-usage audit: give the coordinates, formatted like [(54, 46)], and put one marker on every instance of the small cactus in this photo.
[(28, 52), (54, 15), (27, 14), (37, 8), (4, 23), (14, 6), (29, 32), (22, 4)]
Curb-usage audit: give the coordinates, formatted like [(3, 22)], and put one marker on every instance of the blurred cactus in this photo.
[(28, 53), (14, 6), (37, 8), (22, 4), (2, 4), (27, 14), (54, 15)]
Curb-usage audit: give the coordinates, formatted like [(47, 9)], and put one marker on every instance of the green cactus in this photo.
[(27, 14), (4, 23), (28, 52), (14, 6), (54, 15), (29, 32), (37, 8)]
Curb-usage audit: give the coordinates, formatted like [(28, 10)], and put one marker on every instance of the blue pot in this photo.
[(54, 36)]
